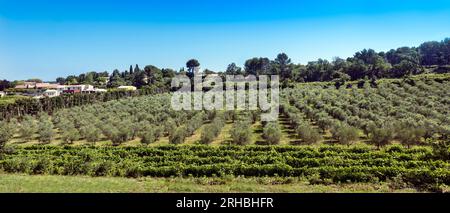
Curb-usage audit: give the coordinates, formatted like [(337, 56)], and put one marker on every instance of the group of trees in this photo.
[(29, 106), (409, 111), (145, 117), (93, 78), (303, 129), (435, 53), (187, 129), (364, 64), (5, 84), (150, 76)]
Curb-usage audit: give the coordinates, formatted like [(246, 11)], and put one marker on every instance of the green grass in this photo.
[(73, 184)]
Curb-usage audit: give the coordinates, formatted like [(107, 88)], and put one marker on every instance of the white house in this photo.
[(94, 90), (75, 88), (2, 94), (51, 93), (101, 90), (130, 88)]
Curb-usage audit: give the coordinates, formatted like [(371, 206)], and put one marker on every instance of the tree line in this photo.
[(366, 63), (30, 106)]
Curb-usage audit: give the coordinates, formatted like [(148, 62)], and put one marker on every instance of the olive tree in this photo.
[(27, 128), (241, 132), (307, 134), (272, 133), (380, 136), (6, 133), (45, 129), (345, 134)]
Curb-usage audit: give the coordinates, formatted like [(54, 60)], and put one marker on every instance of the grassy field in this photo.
[(72, 184)]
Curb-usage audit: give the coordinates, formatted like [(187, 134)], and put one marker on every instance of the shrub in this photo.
[(441, 150)]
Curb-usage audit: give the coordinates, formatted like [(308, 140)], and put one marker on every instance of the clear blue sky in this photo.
[(47, 39)]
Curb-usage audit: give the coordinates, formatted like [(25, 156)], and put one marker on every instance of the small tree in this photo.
[(308, 135), (169, 127), (27, 128), (45, 130), (148, 137), (207, 134), (410, 136), (90, 133), (6, 133), (380, 136), (241, 133), (192, 65), (345, 134), (70, 135), (178, 136), (272, 133), (324, 123)]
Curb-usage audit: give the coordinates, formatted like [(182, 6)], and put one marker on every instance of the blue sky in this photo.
[(47, 39)]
